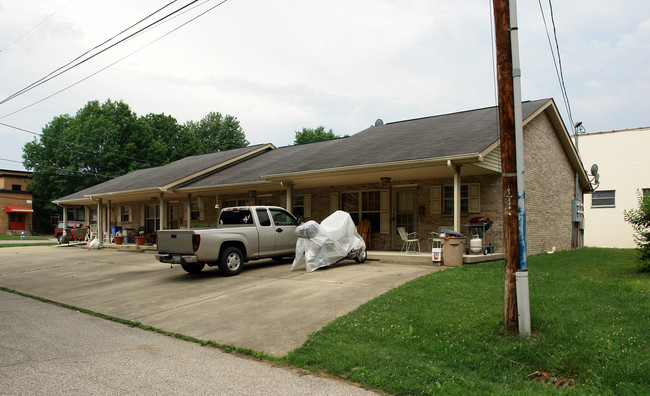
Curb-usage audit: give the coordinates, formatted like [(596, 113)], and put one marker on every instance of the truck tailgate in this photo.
[(175, 241)]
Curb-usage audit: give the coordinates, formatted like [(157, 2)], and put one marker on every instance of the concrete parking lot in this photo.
[(267, 308)]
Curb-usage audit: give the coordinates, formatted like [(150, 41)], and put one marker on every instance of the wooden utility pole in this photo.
[(508, 159)]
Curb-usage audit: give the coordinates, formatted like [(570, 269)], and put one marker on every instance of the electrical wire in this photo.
[(35, 26), (66, 172), (557, 62), (68, 143), (117, 61), (65, 68), (494, 66)]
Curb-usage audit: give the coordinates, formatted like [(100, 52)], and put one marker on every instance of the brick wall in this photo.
[(549, 188)]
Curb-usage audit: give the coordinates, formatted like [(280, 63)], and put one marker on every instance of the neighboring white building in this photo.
[(624, 167)]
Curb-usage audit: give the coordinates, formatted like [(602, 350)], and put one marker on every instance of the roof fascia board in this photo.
[(221, 187), (218, 166), (457, 159)]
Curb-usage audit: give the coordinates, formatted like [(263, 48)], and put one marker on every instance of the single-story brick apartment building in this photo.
[(419, 174)]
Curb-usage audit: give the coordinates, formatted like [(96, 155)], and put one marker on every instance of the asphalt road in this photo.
[(48, 350), (266, 308)]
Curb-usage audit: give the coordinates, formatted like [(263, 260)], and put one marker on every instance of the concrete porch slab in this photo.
[(426, 258)]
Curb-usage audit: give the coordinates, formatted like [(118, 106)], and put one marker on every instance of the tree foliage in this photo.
[(217, 133), (310, 135), (106, 140), (640, 220)]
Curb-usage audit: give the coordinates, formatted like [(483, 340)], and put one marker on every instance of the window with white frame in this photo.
[(603, 198), (126, 214), (470, 195), (645, 193), (363, 205), (195, 210), (152, 218), (301, 205)]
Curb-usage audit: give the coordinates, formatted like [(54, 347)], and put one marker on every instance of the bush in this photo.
[(640, 220)]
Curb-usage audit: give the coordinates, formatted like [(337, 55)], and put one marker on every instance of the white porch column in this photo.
[(161, 212), (457, 198), (109, 217), (289, 186), (188, 210), (100, 218), (107, 220), (65, 216)]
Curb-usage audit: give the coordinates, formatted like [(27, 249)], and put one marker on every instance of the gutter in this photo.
[(458, 159)]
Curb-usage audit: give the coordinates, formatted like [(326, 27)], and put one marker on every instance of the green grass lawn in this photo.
[(443, 333), (16, 238)]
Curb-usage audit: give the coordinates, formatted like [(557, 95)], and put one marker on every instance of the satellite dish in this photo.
[(594, 170), (379, 122)]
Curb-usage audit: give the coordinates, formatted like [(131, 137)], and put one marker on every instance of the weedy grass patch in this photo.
[(443, 333)]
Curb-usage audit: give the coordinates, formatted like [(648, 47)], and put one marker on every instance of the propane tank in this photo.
[(476, 244)]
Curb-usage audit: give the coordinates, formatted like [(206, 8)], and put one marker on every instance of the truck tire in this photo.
[(361, 256), (231, 261), (193, 268)]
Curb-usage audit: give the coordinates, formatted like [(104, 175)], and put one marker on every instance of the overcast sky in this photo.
[(279, 66)]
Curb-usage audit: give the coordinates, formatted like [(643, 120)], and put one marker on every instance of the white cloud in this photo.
[(281, 66)]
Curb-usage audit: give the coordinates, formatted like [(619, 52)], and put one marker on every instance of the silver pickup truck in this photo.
[(243, 233)]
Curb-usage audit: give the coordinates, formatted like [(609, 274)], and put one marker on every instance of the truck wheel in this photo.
[(193, 268), (231, 261), (361, 256)]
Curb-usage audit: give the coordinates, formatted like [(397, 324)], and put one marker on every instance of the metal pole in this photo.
[(519, 137), (521, 276)]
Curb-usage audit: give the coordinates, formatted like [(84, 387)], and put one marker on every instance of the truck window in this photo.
[(237, 217), (280, 217), (263, 217)]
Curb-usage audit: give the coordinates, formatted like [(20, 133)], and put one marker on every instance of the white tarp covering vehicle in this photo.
[(324, 244)]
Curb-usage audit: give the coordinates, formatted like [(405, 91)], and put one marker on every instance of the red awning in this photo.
[(18, 209)]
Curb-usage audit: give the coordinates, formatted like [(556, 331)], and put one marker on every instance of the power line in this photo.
[(66, 172), (119, 60), (35, 26), (68, 143), (557, 63), (65, 67)]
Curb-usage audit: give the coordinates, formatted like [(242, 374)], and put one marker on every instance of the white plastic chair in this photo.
[(409, 239)]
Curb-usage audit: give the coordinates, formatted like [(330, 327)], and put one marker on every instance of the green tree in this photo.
[(640, 220), (309, 135), (216, 132), (106, 140), (100, 142), (172, 141)]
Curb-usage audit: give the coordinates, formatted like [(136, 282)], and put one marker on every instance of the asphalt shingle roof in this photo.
[(467, 132), (161, 175)]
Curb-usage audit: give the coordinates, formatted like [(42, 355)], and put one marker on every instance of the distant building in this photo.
[(15, 203), (624, 168)]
